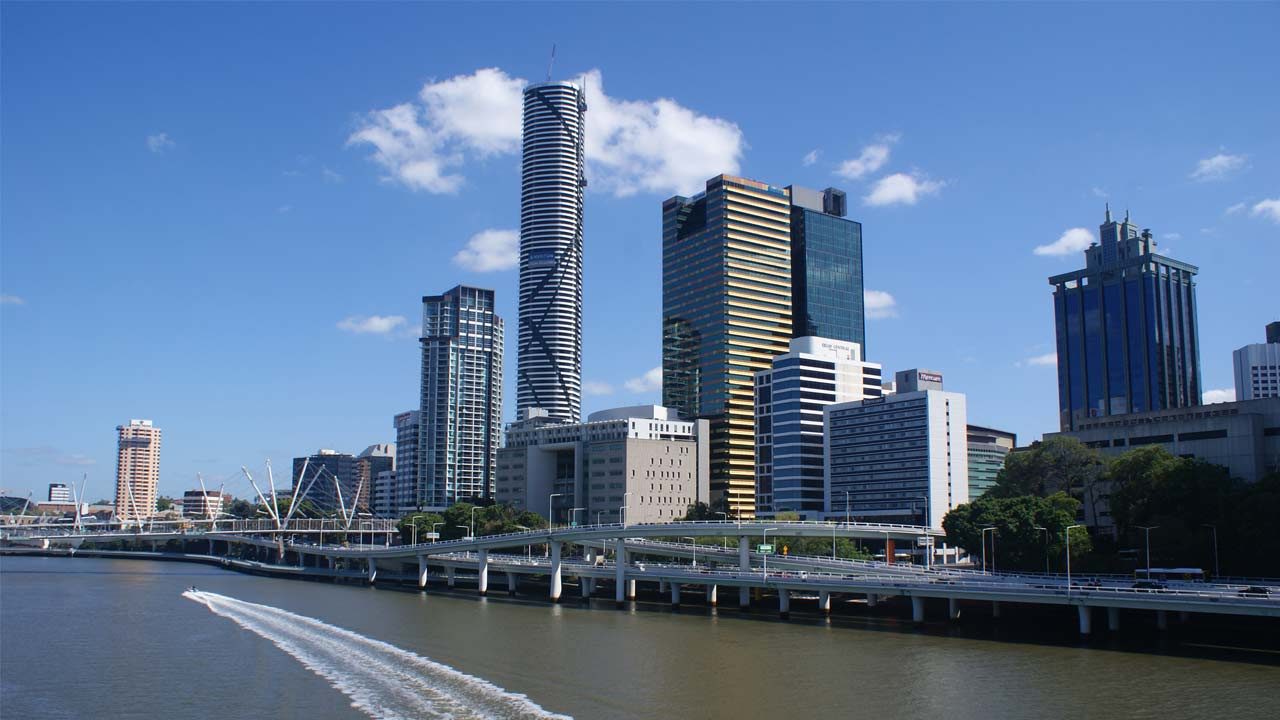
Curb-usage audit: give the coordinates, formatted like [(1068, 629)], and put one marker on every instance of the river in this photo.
[(92, 638)]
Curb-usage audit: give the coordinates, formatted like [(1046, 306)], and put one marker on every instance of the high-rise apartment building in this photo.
[(461, 410), (549, 356), (1126, 329), (59, 493), (726, 313), (137, 469), (374, 460), (826, 268), (1257, 367), (789, 401), (406, 494), (987, 450), (899, 458)]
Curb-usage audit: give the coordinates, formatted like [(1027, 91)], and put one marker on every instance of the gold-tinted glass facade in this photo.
[(726, 298)]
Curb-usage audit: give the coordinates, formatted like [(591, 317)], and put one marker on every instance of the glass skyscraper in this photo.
[(1126, 329), (461, 410), (726, 313), (826, 267)]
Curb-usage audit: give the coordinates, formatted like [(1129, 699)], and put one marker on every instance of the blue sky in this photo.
[(214, 216)]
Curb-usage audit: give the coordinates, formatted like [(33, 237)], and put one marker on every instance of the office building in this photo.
[(202, 504), (327, 479), (900, 458), (726, 313), (826, 267), (789, 400), (137, 469), (987, 450), (59, 493), (549, 356), (408, 426), (1257, 367), (1126, 329), (461, 411), (374, 460), (384, 495), (640, 461)]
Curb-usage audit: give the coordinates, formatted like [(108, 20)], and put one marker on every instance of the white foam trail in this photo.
[(382, 680)]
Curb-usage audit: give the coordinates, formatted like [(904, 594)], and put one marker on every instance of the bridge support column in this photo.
[(631, 588), (556, 585), (662, 586), (824, 601), (1113, 619), (953, 608), (712, 593), (784, 603), (872, 599), (744, 565), (373, 570), (482, 572), (511, 583), (917, 609), (448, 575), (333, 563), (675, 595), (995, 608), (1086, 619), (422, 571), (1162, 619), (620, 571)]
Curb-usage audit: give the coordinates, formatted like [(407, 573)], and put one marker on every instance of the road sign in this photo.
[(765, 549), (433, 536)]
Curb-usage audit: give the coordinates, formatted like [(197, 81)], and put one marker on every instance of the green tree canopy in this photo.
[(1019, 543), (1059, 464)]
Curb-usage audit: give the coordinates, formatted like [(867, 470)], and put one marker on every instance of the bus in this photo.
[(1166, 574)]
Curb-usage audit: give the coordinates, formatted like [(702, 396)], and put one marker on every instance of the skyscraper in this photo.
[(726, 313), (549, 356), (328, 480), (137, 469), (1126, 329), (1257, 367), (406, 497), (826, 268), (461, 409)]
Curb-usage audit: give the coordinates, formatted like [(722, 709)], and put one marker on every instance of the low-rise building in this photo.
[(901, 458), (370, 463), (1257, 367), (328, 479), (60, 493), (640, 463), (987, 450), (202, 504)]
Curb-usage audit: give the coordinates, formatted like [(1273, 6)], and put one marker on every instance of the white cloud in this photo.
[(1238, 207), (810, 158), (879, 304), (159, 143), (330, 175), (1268, 209), (872, 158), (1047, 359), (1219, 396), (490, 250), (1099, 192), (44, 455), (1173, 236), (631, 145), (284, 209), (11, 300), (651, 381), (372, 324), (901, 188), (1218, 167), (593, 387), (1071, 241)]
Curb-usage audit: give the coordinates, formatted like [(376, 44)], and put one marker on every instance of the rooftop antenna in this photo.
[(1108, 212), (551, 63)]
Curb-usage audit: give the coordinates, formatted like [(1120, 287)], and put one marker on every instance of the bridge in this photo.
[(616, 554)]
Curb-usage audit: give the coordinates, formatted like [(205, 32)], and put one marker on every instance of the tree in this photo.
[(1019, 543), (1059, 464), (424, 522), (240, 508), (164, 503)]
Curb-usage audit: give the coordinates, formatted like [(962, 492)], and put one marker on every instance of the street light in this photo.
[(693, 540), (528, 549), (993, 548), (1046, 547), (598, 514), (626, 505), (464, 527), (474, 508), (846, 507), (573, 514), (1148, 532), (433, 530), (1068, 534), (550, 517), (1214, 528), (765, 541)]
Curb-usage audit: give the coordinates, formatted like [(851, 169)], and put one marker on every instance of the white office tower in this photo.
[(549, 355), (902, 458), (789, 399), (1257, 367)]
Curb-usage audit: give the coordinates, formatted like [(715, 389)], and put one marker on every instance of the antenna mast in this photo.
[(551, 63)]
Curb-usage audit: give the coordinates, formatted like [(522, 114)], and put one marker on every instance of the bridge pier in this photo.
[(373, 570), (1086, 619), (872, 599), (511, 583), (1162, 619), (744, 565), (917, 609), (482, 572), (824, 601), (712, 592), (422, 571), (675, 595), (784, 603), (953, 609), (1113, 619), (620, 571), (448, 575), (995, 608), (556, 586)]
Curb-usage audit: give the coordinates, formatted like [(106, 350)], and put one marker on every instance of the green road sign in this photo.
[(766, 549)]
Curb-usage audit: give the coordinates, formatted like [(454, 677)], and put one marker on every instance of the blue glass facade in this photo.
[(1126, 330), (826, 276)]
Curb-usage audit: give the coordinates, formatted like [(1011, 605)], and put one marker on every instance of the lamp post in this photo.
[(765, 541), (693, 540), (464, 527), (626, 505), (993, 548), (1068, 533), (474, 508), (1214, 528), (598, 514), (1046, 547), (528, 549), (846, 507), (1148, 543), (573, 514), (433, 530)]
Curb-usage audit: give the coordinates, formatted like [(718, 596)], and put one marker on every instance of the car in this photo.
[(1147, 585), (1255, 591)]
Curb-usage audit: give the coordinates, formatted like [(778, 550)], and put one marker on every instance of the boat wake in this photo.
[(382, 680)]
